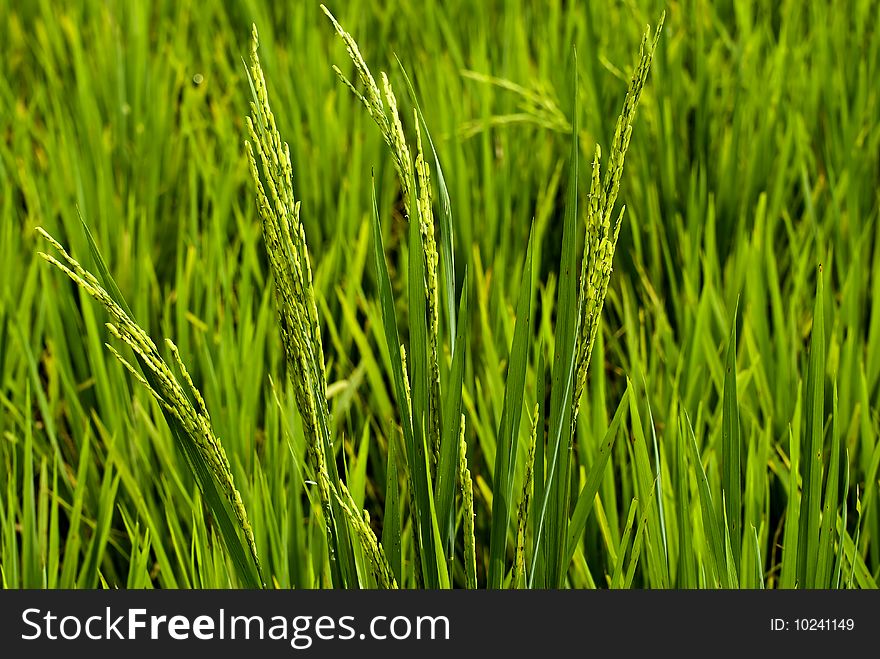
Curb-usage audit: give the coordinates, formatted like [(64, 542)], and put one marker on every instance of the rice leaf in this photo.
[(828, 528), (447, 238), (554, 507), (508, 430), (731, 448), (686, 576), (841, 528), (449, 446), (594, 478), (788, 577), (711, 526), (623, 546), (814, 414), (391, 527), (646, 480)]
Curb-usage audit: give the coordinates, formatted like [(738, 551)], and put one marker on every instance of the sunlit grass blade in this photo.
[(412, 414), (90, 570), (73, 542), (398, 373), (729, 565), (853, 546), (860, 575), (30, 572)]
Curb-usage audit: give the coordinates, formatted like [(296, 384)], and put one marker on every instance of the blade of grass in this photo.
[(508, 430), (594, 478), (759, 569), (554, 507), (841, 529), (448, 467), (538, 559), (391, 527), (617, 575), (659, 471), (447, 239), (639, 539), (731, 448), (829, 507), (687, 574), (814, 413), (646, 480), (788, 575), (707, 508)]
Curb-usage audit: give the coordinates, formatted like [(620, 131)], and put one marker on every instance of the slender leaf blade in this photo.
[(508, 431), (731, 458)]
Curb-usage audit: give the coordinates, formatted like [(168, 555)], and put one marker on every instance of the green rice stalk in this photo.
[(426, 227), (467, 496), (284, 238), (373, 548), (519, 563), (425, 376), (601, 236), (168, 392), (415, 190), (391, 128)]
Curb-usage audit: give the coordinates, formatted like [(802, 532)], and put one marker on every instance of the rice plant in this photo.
[(416, 343)]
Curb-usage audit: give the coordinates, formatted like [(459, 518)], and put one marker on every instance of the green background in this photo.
[(755, 157)]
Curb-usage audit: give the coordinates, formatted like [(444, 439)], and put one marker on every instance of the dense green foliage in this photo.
[(715, 423)]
